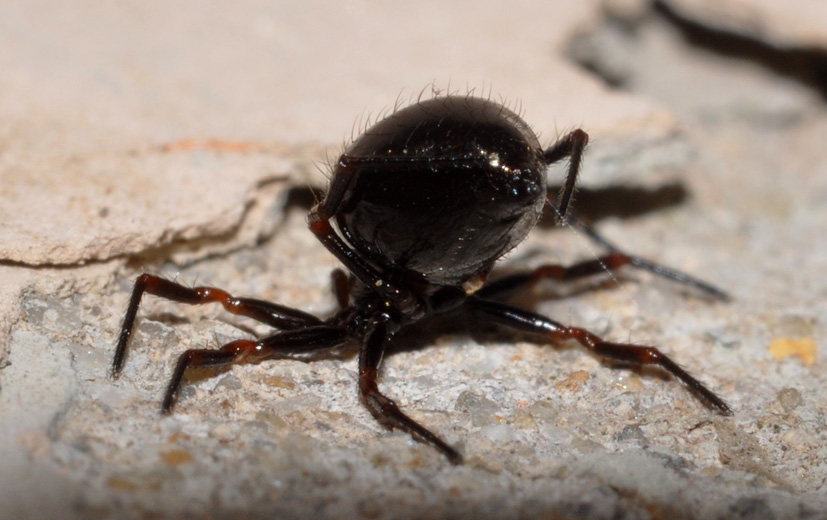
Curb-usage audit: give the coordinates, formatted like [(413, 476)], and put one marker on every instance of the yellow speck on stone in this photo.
[(176, 457), (805, 348), (121, 484)]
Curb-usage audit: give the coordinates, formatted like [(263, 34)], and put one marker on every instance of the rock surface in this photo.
[(180, 140)]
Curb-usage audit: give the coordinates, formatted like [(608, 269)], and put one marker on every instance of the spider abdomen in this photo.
[(442, 189)]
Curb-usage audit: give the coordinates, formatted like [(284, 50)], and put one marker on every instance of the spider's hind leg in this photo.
[(647, 265), (655, 268), (628, 354), (508, 285), (383, 408)]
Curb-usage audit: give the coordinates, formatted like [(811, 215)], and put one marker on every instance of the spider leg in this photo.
[(641, 263), (341, 283), (662, 271), (291, 344), (508, 285), (625, 353), (572, 146), (272, 314), (319, 223), (384, 409)]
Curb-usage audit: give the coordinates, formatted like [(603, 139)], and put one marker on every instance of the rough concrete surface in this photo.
[(181, 140)]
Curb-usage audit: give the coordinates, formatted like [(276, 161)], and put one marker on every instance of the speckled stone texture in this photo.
[(184, 140)]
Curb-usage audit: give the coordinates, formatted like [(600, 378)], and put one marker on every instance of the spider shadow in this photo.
[(620, 201)]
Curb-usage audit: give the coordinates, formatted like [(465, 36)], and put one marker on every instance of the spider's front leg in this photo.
[(384, 409), (290, 344)]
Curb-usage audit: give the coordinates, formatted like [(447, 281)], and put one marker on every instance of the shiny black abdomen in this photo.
[(442, 188)]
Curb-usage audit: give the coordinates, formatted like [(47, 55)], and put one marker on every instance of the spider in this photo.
[(419, 209)]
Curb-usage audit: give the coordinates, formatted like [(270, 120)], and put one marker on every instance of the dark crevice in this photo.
[(301, 197), (807, 65)]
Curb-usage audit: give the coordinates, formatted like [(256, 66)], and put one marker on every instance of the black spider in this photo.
[(424, 203)]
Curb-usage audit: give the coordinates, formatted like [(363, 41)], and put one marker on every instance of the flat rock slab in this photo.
[(181, 140), (145, 125), (795, 24)]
